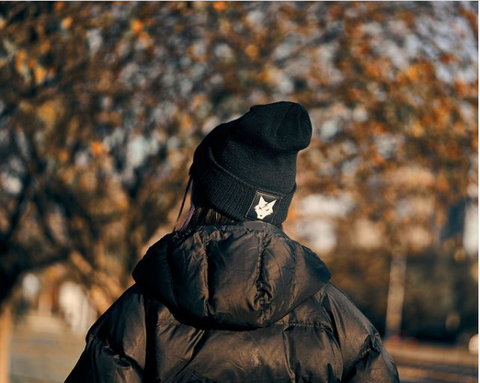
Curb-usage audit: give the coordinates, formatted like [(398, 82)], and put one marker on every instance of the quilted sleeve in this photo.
[(115, 349), (365, 359)]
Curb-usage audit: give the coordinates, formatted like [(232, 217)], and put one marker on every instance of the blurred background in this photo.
[(102, 105)]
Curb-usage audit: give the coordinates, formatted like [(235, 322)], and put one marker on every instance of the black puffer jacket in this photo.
[(233, 303)]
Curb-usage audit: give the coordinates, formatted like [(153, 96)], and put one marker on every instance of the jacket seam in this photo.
[(323, 292), (105, 343), (363, 354), (293, 324), (170, 278), (205, 267), (168, 322), (306, 325), (259, 281)]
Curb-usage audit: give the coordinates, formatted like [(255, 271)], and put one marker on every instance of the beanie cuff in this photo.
[(238, 199)]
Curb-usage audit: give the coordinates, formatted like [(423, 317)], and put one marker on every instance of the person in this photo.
[(229, 297)]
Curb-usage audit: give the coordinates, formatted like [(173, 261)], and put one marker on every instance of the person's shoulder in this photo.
[(362, 348), (116, 341), (130, 311), (342, 308), (331, 307), (133, 299), (133, 296)]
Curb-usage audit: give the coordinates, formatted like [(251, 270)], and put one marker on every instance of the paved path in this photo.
[(426, 363), (44, 350)]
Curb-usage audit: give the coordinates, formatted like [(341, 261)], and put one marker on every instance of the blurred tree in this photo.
[(101, 105), (438, 301), (397, 148), (88, 176)]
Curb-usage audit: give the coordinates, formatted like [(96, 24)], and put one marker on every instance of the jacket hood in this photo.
[(237, 276)]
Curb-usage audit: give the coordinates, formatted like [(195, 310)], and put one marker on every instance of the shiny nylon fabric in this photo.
[(233, 303), (232, 276)]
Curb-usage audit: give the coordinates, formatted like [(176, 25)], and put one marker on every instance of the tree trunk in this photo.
[(396, 293), (5, 337)]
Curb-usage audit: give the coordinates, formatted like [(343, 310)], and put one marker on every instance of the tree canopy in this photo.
[(102, 105)]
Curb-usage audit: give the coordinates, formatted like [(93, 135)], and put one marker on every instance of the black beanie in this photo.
[(246, 168)]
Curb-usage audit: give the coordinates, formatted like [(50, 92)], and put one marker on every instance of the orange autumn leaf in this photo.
[(59, 5), (20, 59), (63, 155), (48, 113), (461, 88), (442, 183), (186, 123), (412, 73), (377, 159), (447, 58), (136, 26), (97, 148), (45, 47), (252, 51), (40, 74), (220, 6), (67, 22)]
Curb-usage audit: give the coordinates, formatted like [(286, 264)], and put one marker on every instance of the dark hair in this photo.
[(200, 213)]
